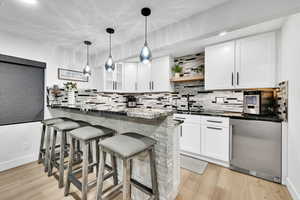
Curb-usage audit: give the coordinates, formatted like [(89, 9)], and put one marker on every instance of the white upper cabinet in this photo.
[(139, 77), (108, 81), (130, 77), (119, 74), (245, 63), (143, 77), (219, 66), (256, 61), (161, 74), (113, 81)]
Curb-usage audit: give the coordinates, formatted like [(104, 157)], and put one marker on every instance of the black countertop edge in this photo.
[(90, 110), (242, 116), (106, 113)]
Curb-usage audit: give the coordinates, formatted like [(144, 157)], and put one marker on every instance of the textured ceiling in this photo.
[(69, 22)]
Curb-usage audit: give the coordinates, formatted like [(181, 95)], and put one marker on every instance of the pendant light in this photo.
[(109, 64), (145, 55), (87, 69)]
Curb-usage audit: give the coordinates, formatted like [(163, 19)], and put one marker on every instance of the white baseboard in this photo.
[(17, 162), (292, 189)]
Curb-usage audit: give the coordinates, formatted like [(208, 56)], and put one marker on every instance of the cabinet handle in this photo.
[(232, 78), (209, 127), (237, 78), (149, 85), (152, 85), (180, 131), (179, 118), (213, 121), (136, 86)]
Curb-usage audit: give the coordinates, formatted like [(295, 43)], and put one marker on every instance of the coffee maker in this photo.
[(131, 102)]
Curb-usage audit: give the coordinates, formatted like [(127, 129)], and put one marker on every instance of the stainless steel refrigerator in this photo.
[(256, 148)]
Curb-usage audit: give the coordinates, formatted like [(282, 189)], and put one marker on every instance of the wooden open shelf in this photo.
[(187, 78)]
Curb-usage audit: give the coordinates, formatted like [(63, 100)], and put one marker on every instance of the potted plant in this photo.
[(177, 69), (199, 69), (70, 88)]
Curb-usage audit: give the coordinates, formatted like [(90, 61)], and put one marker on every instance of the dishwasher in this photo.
[(255, 148)]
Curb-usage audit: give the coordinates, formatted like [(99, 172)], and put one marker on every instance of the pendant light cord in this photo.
[(87, 55), (146, 30), (109, 44)]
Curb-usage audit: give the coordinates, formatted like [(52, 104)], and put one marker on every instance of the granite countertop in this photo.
[(235, 115), (130, 112)]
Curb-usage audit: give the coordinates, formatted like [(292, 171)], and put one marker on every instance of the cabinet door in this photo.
[(220, 66), (256, 61), (215, 142), (160, 74), (190, 138), (130, 77), (143, 77), (108, 81), (118, 76)]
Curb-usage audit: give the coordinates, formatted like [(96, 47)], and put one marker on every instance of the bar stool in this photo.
[(45, 140), (88, 135), (127, 146), (62, 128)]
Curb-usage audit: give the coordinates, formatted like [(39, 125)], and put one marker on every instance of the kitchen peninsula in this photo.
[(159, 126)]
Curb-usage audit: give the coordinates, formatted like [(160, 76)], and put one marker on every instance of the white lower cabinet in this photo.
[(190, 137), (205, 137), (215, 142)]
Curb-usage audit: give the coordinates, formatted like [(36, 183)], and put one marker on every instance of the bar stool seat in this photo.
[(66, 125), (128, 144), (90, 132), (52, 121), (88, 135)]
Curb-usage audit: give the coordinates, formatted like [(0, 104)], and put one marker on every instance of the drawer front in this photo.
[(215, 121), (188, 118)]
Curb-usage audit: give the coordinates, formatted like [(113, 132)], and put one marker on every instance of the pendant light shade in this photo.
[(109, 64), (87, 69), (146, 55)]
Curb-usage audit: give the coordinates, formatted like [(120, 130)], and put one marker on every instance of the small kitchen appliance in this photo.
[(131, 102), (259, 102)]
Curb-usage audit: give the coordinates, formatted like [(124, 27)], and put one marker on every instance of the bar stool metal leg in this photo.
[(85, 171), (114, 166), (97, 157), (100, 177), (126, 180), (70, 166), (47, 146), (61, 160), (52, 153), (153, 173), (42, 150)]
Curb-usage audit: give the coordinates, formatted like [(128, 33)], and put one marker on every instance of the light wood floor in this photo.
[(29, 182)]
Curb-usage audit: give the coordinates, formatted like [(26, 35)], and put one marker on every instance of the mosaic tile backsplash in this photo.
[(183, 98)]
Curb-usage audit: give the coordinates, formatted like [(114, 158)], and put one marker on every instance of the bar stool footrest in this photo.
[(141, 186), (75, 181)]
